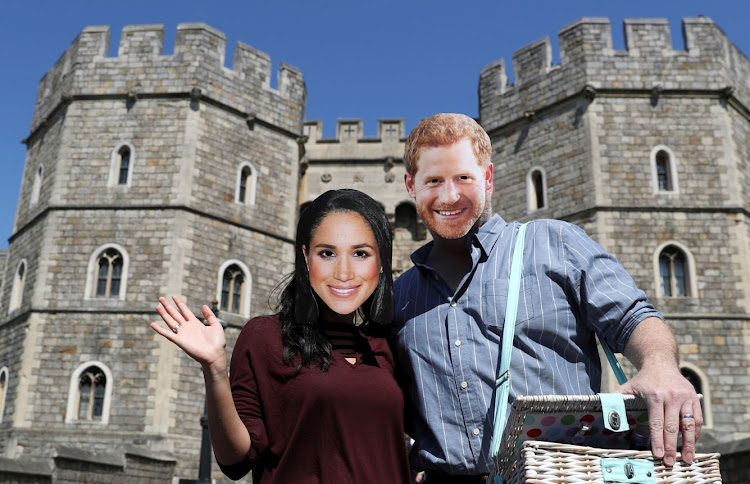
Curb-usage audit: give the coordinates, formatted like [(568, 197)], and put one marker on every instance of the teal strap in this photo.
[(613, 411), (502, 388), (616, 368), (637, 471)]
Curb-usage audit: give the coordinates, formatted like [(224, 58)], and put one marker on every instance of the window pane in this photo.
[(114, 286), (538, 189), (124, 166), (99, 397), (662, 171), (84, 392), (679, 275), (666, 286), (225, 290), (237, 293), (101, 282)]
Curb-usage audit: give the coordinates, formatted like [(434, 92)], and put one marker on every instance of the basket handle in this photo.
[(502, 387), (502, 384)]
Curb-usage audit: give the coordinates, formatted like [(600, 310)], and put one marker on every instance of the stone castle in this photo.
[(151, 174)]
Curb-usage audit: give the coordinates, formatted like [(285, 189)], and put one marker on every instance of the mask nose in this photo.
[(449, 193), (343, 270)]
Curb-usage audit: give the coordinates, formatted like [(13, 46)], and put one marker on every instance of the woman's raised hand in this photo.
[(204, 343)]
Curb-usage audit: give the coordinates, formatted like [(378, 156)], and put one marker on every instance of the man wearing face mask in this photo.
[(450, 309)]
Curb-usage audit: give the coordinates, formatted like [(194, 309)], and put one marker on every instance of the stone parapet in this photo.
[(588, 62), (195, 68)]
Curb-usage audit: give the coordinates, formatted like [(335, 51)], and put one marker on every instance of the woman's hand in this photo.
[(204, 343)]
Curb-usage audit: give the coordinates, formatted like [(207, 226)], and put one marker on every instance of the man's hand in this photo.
[(673, 404)]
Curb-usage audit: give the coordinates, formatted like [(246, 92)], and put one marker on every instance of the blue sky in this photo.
[(365, 60)]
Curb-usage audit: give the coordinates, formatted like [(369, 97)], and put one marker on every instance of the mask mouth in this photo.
[(449, 213)]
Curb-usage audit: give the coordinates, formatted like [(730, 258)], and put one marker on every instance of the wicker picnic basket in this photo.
[(567, 439), (549, 462), (536, 446)]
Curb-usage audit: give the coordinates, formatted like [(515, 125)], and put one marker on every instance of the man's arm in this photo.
[(652, 348)]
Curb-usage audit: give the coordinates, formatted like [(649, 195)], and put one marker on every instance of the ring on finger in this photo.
[(688, 415), (177, 326)]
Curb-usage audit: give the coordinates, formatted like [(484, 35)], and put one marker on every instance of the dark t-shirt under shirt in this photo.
[(343, 425)]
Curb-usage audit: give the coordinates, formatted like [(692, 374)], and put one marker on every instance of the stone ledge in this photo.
[(76, 454), (27, 466), (150, 454)]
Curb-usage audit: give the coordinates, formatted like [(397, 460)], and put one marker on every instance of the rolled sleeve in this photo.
[(610, 302)]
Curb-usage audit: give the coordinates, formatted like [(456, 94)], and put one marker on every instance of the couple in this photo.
[(311, 395)]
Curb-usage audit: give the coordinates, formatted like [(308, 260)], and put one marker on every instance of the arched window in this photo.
[(3, 390), (246, 183), (107, 273), (36, 188), (124, 168), (699, 380), (234, 288), (90, 393), (91, 385), (16, 294), (536, 189), (121, 166), (663, 170), (675, 269), (673, 272), (405, 217)]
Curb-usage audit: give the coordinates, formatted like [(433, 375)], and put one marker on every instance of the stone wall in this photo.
[(140, 68), (71, 465), (593, 125), (191, 124)]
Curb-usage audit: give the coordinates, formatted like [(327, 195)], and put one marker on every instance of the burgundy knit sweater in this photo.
[(343, 425)]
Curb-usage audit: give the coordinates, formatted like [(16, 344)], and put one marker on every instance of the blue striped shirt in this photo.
[(448, 343)]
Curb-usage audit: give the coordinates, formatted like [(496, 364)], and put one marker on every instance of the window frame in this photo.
[(36, 186), (71, 413), (671, 169), (18, 286), (246, 290), (4, 389), (532, 198), (92, 273), (114, 167), (690, 281), (250, 186)]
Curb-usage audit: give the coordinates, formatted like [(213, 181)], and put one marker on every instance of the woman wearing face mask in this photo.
[(310, 395)]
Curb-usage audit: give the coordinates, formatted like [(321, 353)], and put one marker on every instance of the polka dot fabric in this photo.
[(583, 429)]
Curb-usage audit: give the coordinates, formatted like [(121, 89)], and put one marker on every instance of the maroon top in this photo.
[(343, 425)]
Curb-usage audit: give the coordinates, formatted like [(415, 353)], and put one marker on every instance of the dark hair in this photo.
[(298, 305)]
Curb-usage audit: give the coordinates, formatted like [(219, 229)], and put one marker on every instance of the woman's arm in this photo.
[(206, 344)]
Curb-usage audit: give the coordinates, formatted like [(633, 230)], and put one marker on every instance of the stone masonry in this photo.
[(591, 123), (191, 123)]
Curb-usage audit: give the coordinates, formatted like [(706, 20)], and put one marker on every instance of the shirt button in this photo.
[(458, 342), (453, 304), (475, 431), (464, 384)]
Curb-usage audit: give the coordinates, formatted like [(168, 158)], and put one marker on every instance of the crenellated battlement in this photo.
[(710, 62), (351, 142), (352, 130), (141, 68)]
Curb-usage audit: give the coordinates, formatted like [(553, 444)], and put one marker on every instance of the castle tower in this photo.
[(147, 174), (647, 149)]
